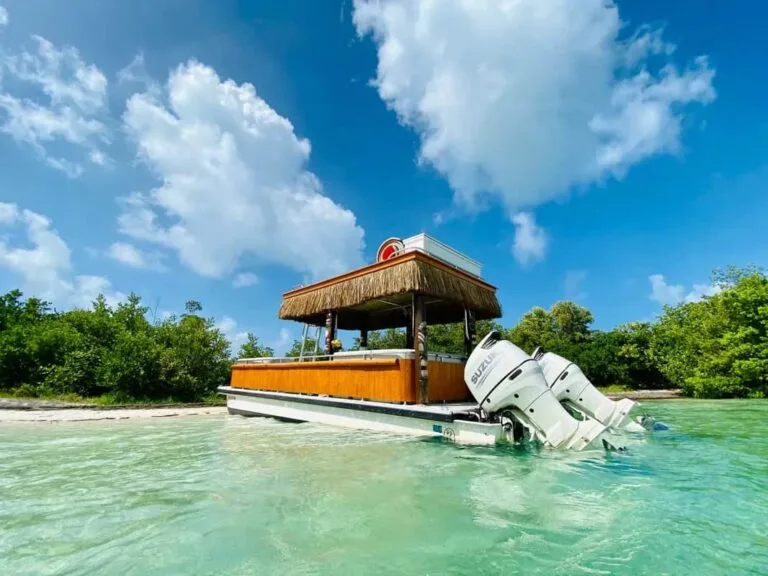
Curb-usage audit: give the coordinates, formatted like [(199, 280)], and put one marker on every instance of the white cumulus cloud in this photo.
[(701, 291), (531, 241), (44, 267), (74, 97), (237, 337), (3, 16), (129, 255), (522, 101), (232, 181), (228, 326), (671, 294)]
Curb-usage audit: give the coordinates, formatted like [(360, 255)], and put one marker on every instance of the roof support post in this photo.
[(469, 331), (330, 331), (420, 348), (364, 338)]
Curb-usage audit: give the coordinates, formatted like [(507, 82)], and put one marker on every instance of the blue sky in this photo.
[(227, 151)]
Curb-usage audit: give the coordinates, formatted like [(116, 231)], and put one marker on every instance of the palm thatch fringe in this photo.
[(411, 276)]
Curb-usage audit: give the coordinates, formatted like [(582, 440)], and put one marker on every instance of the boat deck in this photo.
[(445, 412)]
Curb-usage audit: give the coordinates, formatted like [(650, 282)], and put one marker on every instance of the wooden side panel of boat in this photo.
[(382, 380), (446, 382)]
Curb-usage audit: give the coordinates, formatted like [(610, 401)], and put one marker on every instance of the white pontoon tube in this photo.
[(569, 384), (508, 383)]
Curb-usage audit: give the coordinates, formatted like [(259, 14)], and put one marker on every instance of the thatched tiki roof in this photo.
[(379, 296)]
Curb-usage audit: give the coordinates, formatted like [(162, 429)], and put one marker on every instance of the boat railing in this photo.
[(405, 353), (283, 359)]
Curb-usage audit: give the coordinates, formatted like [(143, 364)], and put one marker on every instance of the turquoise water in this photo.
[(228, 495)]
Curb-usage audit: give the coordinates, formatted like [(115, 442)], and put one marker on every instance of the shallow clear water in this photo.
[(228, 495)]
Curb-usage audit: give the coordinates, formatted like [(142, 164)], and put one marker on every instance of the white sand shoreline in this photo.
[(94, 414)]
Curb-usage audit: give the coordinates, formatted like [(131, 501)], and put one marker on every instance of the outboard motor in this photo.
[(504, 379), (569, 384)]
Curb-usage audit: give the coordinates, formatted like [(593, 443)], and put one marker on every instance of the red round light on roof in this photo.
[(390, 248)]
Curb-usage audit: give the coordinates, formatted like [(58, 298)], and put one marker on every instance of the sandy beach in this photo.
[(85, 414)]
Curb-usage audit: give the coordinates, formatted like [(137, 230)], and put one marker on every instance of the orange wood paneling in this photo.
[(385, 380), (446, 382)]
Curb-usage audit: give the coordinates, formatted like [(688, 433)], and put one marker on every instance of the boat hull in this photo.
[(442, 421)]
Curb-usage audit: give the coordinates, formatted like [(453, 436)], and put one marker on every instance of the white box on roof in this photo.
[(443, 252)]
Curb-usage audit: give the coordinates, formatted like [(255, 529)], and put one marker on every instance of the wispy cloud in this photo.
[(245, 279), (573, 286), (75, 95), (530, 244), (283, 341)]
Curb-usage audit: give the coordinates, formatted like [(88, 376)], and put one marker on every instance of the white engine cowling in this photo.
[(569, 384), (503, 377)]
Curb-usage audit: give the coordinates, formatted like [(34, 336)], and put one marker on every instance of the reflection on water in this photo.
[(228, 495)]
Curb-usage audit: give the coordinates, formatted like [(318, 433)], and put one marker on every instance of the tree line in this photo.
[(113, 353), (713, 348)]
